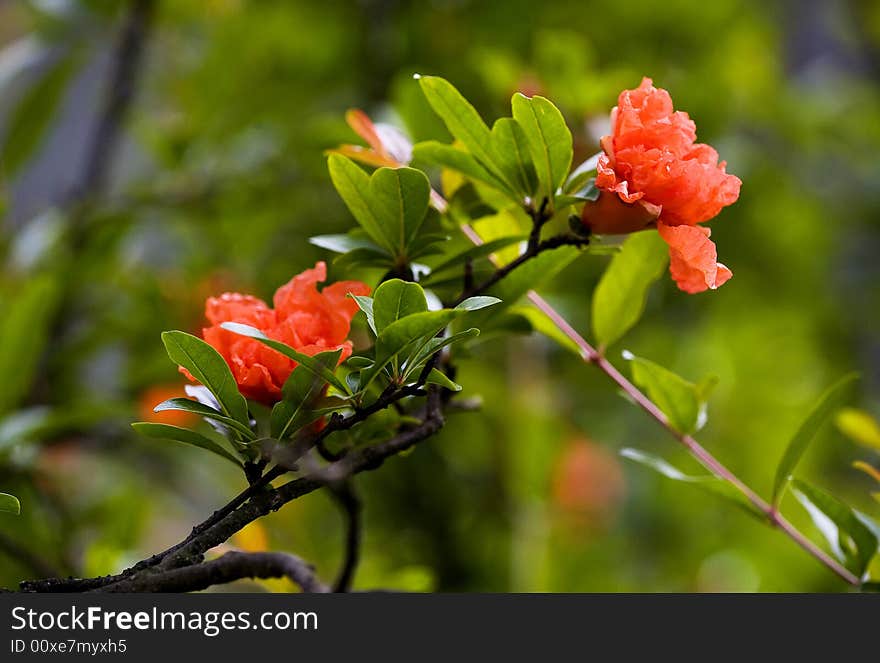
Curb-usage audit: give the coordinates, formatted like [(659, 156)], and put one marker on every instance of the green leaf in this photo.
[(458, 160), (366, 305), (706, 482), (824, 407), (9, 504), (512, 151), (33, 115), (851, 541), (549, 140), (207, 366), (344, 243), (463, 121), (439, 378), (619, 299), (390, 205), (184, 435), (396, 299), (436, 344), (310, 363), (532, 274), (187, 405), (477, 252), (477, 303), (681, 401), (541, 323), (300, 393), (24, 329)]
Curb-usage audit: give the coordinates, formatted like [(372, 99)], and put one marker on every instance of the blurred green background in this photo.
[(218, 178)]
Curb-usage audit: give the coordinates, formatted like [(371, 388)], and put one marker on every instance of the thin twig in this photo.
[(351, 507)]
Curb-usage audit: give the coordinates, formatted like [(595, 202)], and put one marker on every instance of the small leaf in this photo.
[(300, 394), (859, 426), (187, 405), (344, 243), (581, 175), (824, 407), (184, 435), (549, 139), (678, 399), (458, 160), (511, 148), (439, 378), (619, 299), (463, 121), (366, 305), (207, 366), (477, 303), (310, 363), (707, 482), (9, 504), (396, 299), (436, 344), (851, 541)]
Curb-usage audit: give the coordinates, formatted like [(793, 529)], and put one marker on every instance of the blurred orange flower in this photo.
[(587, 483), (304, 318), (653, 172), (154, 395)]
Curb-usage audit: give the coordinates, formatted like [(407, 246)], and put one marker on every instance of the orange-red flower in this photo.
[(304, 318), (652, 171)]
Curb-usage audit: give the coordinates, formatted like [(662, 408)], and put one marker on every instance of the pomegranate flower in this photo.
[(652, 172), (304, 318)]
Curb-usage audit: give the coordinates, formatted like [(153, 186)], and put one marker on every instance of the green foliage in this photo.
[(207, 366), (396, 299), (9, 504), (850, 539), (549, 141), (619, 299), (300, 395), (206, 411), (822, 410), (184, 435), (683, 402)]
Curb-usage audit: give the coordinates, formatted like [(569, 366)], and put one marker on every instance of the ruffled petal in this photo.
[(693, 258)]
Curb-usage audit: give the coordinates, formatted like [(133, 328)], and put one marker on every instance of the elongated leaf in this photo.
[(300, 394), (532, 274), (477, 252), (439, 378), (436, 344), (707, 482), (619, 299), (343, 243), (23, 334), (9, 504), (184, 435), (477, 303), (396, 299), (680, 400), (353, 185), (366, 305), (402, 196), (851, 541), (207, 366), (463, 121), (33, 115), (188, 405), (310, 363), (458, 160), (549, 140), (822, 410), (513, 152)]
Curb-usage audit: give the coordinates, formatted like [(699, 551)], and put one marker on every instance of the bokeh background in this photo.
[(126, 205)]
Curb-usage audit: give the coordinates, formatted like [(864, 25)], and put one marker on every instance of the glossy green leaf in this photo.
[(477, 252), (436, 344), (477, 303), (706, 482), (184, 435), (851, 541), (396, 299), (449, 156), (9, 504), (24, 328), (513, 154), (310, 363), (619, 299), (33, 115), (390, 205), (207, 366), (344, 243), (540, 323), (300, 394), (830, 400), (439, 378), (462, 120), (188, 405), (679, 399), (366, 305), (549, 140)]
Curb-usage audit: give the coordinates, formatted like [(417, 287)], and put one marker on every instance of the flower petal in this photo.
[(693, 258)]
